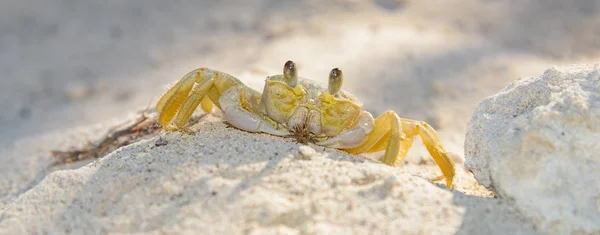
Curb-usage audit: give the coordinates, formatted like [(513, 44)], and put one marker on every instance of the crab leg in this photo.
[(433, 144), (205, 86), (173, 99), (206, 104), (191, 103), (396, 135), (386, 132)]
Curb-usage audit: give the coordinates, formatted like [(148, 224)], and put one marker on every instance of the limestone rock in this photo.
[(537, 144)]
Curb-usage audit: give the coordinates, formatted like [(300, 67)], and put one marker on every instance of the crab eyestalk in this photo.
[(335, 81), (290, 74)]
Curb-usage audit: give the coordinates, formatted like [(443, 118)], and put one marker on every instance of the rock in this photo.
[(537, 144)]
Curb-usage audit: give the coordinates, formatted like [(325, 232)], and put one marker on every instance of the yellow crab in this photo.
[(292, 106)]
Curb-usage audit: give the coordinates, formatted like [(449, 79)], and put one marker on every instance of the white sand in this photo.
[(70, 70), (222, 180)]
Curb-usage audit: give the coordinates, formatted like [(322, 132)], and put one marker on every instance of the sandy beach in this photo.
[(72, 70)]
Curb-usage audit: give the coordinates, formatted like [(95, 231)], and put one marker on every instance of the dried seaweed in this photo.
[(115, 138)]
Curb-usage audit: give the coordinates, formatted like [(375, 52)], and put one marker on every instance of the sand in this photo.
[(222, 180), (71, 70)]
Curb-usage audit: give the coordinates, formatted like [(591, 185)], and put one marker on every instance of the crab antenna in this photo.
[(290, 74), (335, 81)]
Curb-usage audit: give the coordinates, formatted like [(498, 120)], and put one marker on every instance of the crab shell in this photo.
[(309, 106)]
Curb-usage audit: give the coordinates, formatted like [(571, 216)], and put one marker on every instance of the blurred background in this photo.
[(67, 63)]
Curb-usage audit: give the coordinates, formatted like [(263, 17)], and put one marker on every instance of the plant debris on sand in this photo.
[(119, 136)]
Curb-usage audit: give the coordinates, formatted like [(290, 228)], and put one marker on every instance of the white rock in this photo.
[(537, 143)]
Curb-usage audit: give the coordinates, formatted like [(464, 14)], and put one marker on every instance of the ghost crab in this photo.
[(292, 106)]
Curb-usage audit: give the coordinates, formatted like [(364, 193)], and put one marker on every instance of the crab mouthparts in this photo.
[(302, 134)]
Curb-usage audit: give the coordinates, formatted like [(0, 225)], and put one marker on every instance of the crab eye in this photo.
[(290, 75), (335, 81)]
